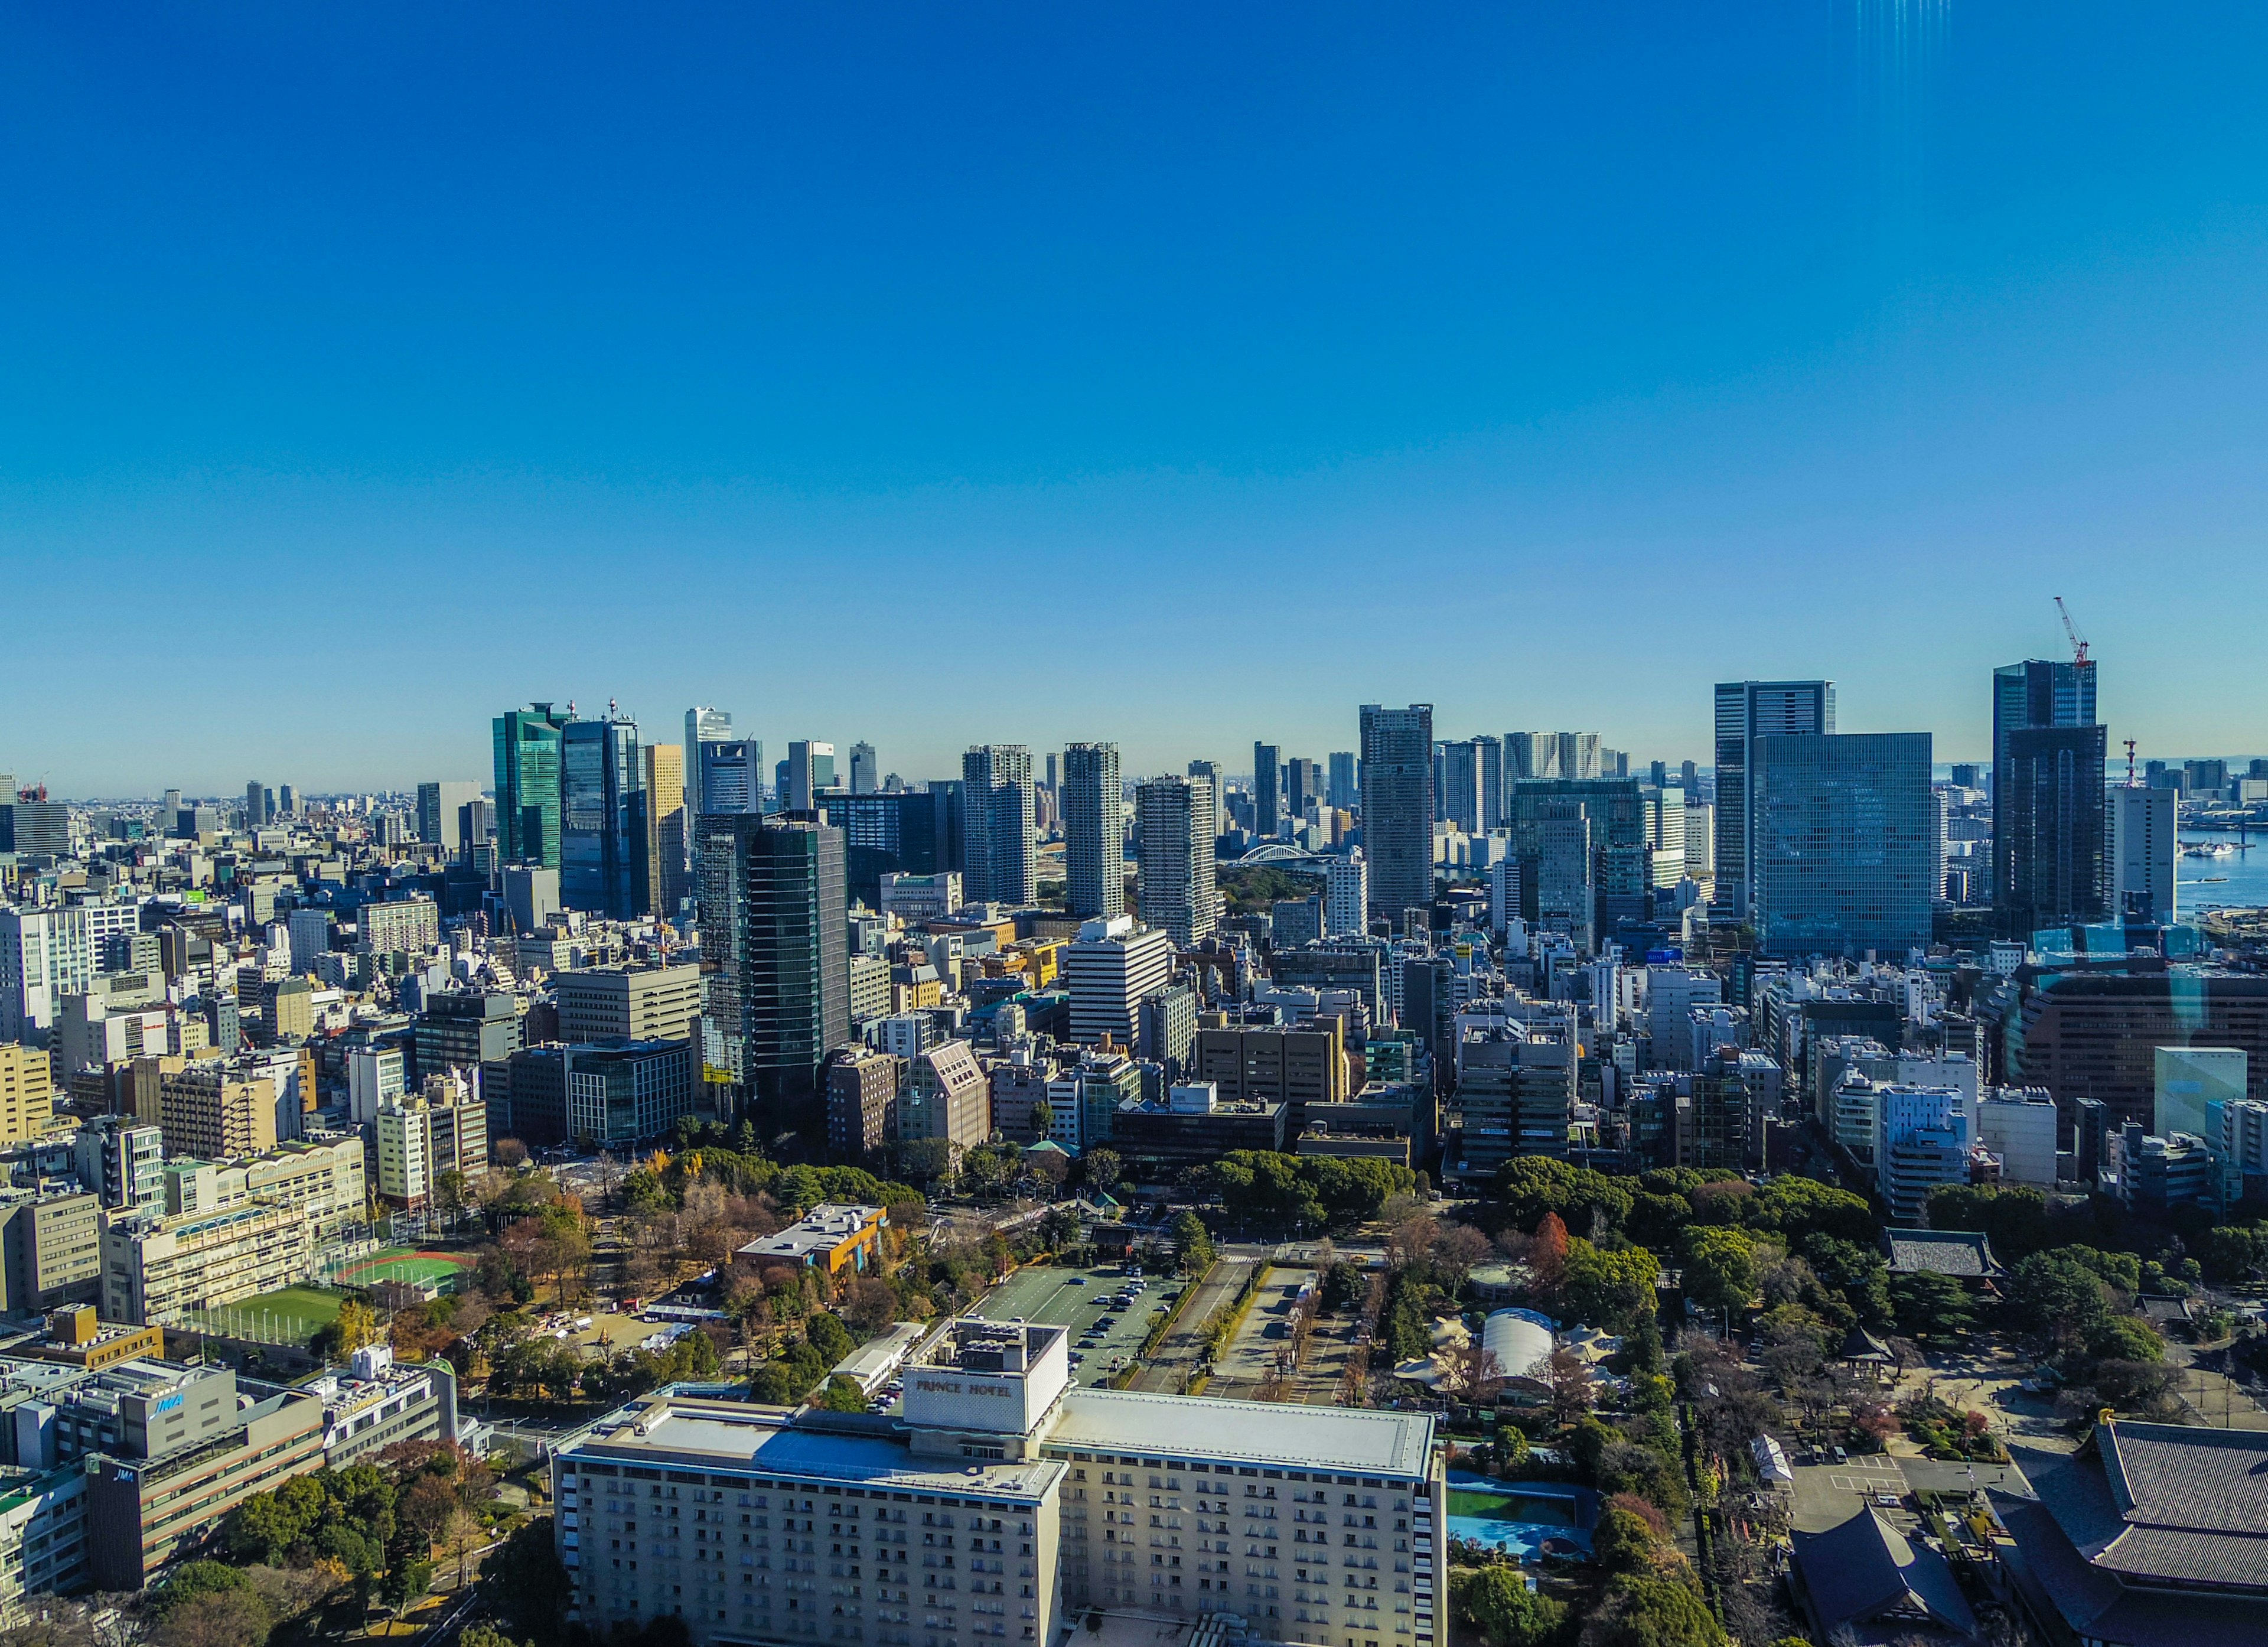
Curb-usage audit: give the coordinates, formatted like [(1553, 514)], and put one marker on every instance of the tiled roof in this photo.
[(1864, 1568), (1944, 1251)]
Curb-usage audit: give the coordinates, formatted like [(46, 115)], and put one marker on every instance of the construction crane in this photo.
[(2078, 640)]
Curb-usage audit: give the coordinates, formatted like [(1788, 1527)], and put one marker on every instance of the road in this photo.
[(1179, 1357)]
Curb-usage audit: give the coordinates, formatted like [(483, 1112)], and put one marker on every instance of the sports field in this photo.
[(401, 1263), (288, 1315)]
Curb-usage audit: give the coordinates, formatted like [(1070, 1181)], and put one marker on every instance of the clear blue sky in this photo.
[(1176, 376)]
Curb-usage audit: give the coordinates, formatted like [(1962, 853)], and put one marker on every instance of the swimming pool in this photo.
[(1519, 1516)]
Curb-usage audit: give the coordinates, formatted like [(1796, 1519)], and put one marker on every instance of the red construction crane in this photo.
[(2078, 640)]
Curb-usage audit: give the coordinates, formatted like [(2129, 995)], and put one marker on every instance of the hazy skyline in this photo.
[(1179, 380)]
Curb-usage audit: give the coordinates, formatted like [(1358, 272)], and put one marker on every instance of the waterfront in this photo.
[(2239, 880)]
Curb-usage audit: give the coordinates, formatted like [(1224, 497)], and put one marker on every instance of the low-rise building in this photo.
[(828, 1237), (157, 1269), (1191, 1127), (373, 1403)]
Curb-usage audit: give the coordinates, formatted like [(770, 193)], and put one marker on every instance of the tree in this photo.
[(844, 1395), (404, 1583), (357, 1326), (1043, 1118), (1472, 1373), (1607, 1289), (1501, 1606), (1645, 1612), (1625, 1541), (1931, 1305), (1720, 1267), (1194, 1242), (1103, 1168), (1547, 1254), (225, 1618), (2057, 1296)]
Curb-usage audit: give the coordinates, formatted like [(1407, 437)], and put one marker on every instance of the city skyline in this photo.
[(1352, 330)]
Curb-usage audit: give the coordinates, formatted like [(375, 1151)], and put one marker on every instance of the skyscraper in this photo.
[(1397, 807), (1094, 850), (667, 844), (602, 818), (1843, 856), (810, 769), (528, 745), (2049, 831), (1174, 823), (997, 826), (440, 811), (1615, 839), (1747, 711), (1303, 787), (1488, 750), (2143, 855), (865, 777), (1459, 777), (773, 913), (1344, 794), (703, 725), (1566, 899), (1267, 795), (730, 778)]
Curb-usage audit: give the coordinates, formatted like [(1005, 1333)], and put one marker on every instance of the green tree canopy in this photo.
[(1720, 1267)]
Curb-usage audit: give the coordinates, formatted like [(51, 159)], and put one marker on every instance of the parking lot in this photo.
[(1076, 1298)]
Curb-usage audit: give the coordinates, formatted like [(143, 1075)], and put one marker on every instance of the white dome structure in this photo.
[(1520, 1340)]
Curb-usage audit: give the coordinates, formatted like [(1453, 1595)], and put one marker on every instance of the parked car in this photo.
[(1841, 1457)]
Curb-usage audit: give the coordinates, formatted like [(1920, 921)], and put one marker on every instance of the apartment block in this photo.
[(27, 1093)]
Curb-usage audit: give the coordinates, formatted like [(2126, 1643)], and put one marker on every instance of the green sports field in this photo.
[(288, 1315), (402, 1263)]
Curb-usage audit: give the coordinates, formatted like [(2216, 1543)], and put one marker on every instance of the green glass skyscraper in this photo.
[(527, 744)]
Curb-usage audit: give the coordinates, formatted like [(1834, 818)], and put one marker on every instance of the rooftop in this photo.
[(1299, 1438), (735, 1434), (820, 1229), (1940, 1252), (1865, 1571)]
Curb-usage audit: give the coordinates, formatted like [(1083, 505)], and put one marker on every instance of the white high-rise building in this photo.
[(405, 1162), (46, 954), (1109, 967), (1094, 832), (1671, 994), (2143, 853), (1346, 895), (375, 1077)]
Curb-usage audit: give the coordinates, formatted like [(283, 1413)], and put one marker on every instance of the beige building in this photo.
[(946, 1096), (156, 1270), (50, 1250), (667, 826), (637, 1004), (27, 1093), (206, 1114), (1293, 1067)]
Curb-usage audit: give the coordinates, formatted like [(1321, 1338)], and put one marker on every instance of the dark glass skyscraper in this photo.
[(773, 911), (1267, 790), (2049, 836), (1094, 837), (527, 785), (1844, 849), (602, 819), (1747, 711), (1397, 807)]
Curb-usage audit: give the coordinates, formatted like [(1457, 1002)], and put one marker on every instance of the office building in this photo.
[(465, 1029), (27, 1093), (47, 954), (2144, 849), (1398, 807), (1192, 1126), (1301, 1069), (1665, 833), (1167, 1033), (1590, 833), (440, 814), (945, 1096), (1175, 826), (1458, 775), (1267, 791), (905, 831), (704, 726), (2017, 1125), (1747, 711), (1109, 967), (603, 808), (443, 1130), (1094, 834), (668, 842), (865, 777), (917, 898), (1566, 893), (121, 1164), (34, 828), (1840, 856), (810, 773), (206, 1112), (1515, 1084), (531, 898), (2192, 1084), (2092, 1037), (375, 1075), (1346, 795), (1303, 788), (997, 797), (1923, 1139), (527, 778), (636, 1003), (50, 1249), (731, 777), (2049, 835), (772, 912), (862, 1084), (994, 1430)]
